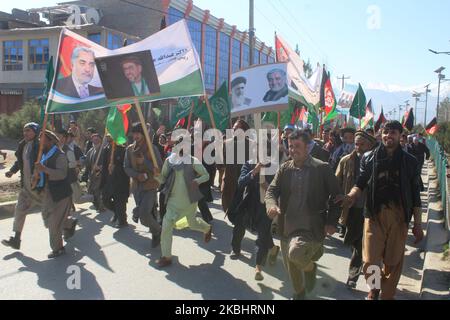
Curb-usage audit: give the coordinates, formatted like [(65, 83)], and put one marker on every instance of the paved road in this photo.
[(121, 265)]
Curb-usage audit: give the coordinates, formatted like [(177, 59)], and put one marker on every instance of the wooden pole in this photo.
[(208, 106), (146, 135), (111, 159), (36, 176), (190, 116)]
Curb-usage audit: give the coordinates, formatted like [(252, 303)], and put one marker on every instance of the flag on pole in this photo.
[(220, 107), (409, 120), (358, 108), (49, 75), (182, 109), (432, 127), (327, 98), (367, 121), (117, 123), (381, 120)]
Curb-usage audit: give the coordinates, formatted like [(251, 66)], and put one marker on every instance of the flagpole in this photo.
[(137, 104), (279, 120), (190, 115), (208, 106), (111, 159)]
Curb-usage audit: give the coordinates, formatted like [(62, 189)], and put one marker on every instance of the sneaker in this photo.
[(156, 240), (56, 254), (310, 279), (12, 243), (163, 262)]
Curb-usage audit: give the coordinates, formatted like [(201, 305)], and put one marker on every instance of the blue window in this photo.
[(95, 37), (12, 55), (38, 52), (263, 58), (271, 59), (256, 56), (245, 56), (236, 56), (195, 29), (210, 58), (224, 57), (114, 41), (174, 16)]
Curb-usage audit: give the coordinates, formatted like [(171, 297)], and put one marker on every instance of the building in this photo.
[(223, 49)]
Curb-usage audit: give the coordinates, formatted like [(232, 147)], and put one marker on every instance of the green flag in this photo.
[(182, 109), (220, 108), (358, 108), (47, 85)]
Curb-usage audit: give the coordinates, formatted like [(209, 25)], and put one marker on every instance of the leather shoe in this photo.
[(56, 254), (208, 235), (12, 242), (163, 262)]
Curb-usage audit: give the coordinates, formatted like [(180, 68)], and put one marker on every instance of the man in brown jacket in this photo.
[(353, 218), (301, 201)]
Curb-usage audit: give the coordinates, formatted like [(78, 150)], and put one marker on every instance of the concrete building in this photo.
[(26, 48)]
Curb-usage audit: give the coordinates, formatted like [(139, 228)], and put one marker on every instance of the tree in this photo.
[(444, 111), (307, 68)]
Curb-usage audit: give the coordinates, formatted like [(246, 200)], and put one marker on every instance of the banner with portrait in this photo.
[(261, 88), (346, 98), (77, 85)]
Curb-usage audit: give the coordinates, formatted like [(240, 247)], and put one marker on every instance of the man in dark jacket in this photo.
[(301, 200), (115, 183), (26, 155), (392, 180), (420, 151)]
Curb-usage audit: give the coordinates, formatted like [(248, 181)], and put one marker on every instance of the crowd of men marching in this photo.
[(364, 182)]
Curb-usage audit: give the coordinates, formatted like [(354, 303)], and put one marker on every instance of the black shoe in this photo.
[(310, 279), (351, 284), (56, 254), (235, 256), (12, 242), (68, 233), (156, 240), (135, 219), (120, 225)]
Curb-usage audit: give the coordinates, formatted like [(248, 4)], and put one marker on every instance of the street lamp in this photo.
[(436, 52), (417, 96), (427, 91), (440, 77)]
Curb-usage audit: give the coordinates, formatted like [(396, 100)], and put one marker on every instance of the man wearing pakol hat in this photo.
[(353, 218), (26, 155), (53, 177), (238, 93)]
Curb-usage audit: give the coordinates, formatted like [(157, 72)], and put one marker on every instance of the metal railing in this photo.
[(441, 162)]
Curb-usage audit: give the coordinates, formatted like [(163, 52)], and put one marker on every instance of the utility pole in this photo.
[(427, 91), (343, 80), (440, 77), (416, 95)]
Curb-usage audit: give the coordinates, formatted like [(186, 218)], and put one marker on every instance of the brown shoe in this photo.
[(163, 262), (208, 235)]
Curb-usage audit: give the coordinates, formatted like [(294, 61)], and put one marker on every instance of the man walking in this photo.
[(392, 179), (53, 170), (353, 218), (26, 155), (94, 162), (300, 200), (139, 167)]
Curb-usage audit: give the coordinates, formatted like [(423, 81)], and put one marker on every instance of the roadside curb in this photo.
[(436, 272)]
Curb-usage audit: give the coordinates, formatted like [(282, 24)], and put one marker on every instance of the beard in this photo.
[(238, 101)]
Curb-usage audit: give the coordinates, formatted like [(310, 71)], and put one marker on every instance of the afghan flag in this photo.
[(367, 121), (408, 123), (328, 99), (358, 108), (381, 120), (117, 123), (432, 127)]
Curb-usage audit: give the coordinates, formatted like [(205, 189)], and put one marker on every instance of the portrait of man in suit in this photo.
[(76, 85), (277, 84), (238, 93)]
